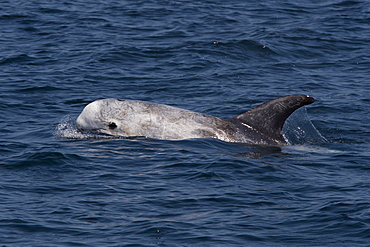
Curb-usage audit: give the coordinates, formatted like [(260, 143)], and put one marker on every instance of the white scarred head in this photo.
[(100, 116)]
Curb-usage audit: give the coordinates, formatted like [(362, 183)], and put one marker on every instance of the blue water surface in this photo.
[(59, 187)]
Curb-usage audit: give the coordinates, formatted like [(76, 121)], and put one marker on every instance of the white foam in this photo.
[(67, 129)]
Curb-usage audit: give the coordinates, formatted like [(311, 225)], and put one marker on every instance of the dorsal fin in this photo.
[(269, 118)]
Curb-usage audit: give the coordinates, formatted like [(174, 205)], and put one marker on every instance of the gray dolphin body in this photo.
[(261, 125)]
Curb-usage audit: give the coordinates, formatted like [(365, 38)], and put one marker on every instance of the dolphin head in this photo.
[(101, 116)]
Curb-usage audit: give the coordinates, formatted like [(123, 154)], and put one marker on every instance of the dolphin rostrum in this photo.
[(261, 125)]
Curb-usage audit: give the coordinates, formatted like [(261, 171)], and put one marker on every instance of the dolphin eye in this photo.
[(112, 125)]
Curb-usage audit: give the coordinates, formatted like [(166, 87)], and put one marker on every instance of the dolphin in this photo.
[(128, 118)]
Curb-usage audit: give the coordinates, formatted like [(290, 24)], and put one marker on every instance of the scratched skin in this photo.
[(137, 118)]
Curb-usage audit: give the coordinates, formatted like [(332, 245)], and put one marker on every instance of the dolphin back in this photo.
[(267, 120)]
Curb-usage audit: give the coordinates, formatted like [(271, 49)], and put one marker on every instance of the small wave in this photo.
[(16, 59), (38, 89), (245, 49)]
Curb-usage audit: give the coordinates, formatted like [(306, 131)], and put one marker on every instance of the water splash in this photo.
[(298, 129), (67, 129)]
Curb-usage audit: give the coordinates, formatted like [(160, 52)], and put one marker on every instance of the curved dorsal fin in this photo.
[(269, 118)]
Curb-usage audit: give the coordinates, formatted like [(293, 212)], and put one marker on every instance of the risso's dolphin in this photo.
[(261, 125)]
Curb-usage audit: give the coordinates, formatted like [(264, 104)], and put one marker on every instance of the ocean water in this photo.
[(59, 187)]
